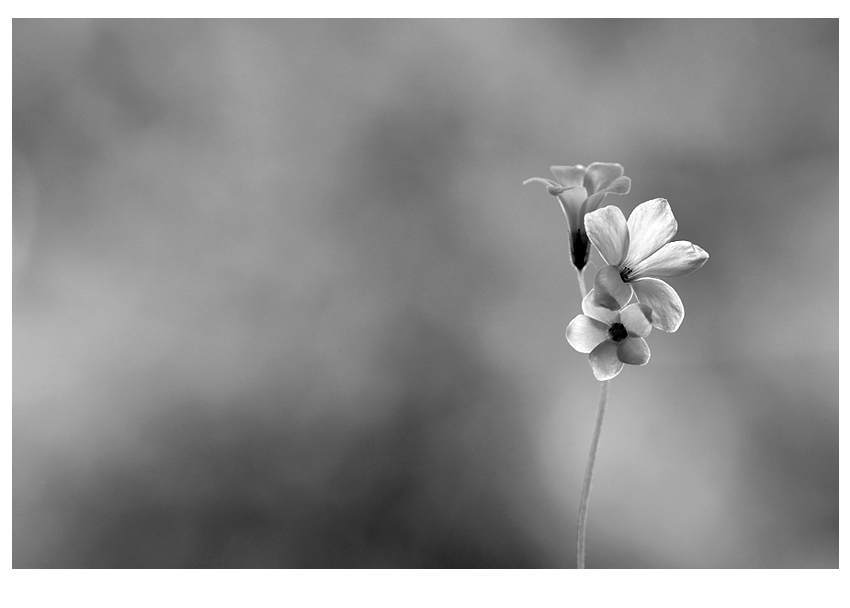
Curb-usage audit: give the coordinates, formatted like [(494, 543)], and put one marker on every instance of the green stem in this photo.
[(588, 476)]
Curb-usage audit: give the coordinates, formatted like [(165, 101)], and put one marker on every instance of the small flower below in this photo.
[(581, 190), (611, 337)]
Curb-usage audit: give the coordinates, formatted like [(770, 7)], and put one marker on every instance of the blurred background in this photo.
[(280, 299)]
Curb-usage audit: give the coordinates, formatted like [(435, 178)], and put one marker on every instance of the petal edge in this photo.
[(600, 313), (651, 226), (672, 260), (667, 308), (608, 231), (611, 292), (637, 319), (604, 361), (569, 177), (585, 333), (600, 176), (634, 351)]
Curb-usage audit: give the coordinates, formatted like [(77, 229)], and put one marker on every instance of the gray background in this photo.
[(281, 300)]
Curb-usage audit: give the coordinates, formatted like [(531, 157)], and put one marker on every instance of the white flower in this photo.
[(639, 254), (611, 337), (581, 190)]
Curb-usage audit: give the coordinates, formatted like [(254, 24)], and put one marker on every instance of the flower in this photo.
[(581, 190), (639, 254), (611, 337)]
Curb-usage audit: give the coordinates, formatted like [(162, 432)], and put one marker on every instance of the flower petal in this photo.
[(621, 185), (584, 334), (607, 229), (569, 177), (672, 260), (634, 351), (554, 188), (637, 318), (571, 200), (651, 225), (600, 175), (610, 290), (593, 201), (599, 313), (604, 361), (667, 308)]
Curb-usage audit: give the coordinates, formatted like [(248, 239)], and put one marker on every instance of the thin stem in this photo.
[(581, 286), (588, 475)]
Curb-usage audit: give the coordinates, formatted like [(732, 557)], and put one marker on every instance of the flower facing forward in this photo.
[(639, 254), (612, 337), (581, 190)]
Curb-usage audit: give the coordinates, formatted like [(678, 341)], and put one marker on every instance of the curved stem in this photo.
[(581, 286), (588, 475)]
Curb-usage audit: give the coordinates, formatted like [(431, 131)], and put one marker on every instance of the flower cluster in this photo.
[(629, 297)]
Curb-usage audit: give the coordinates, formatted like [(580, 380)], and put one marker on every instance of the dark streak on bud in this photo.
[(580, 248)]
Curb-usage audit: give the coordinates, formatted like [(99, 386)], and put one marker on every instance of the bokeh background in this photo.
[(280, 299)]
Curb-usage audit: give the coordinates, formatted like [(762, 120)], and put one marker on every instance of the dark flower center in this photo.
[(626, 273), (618, 332)]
